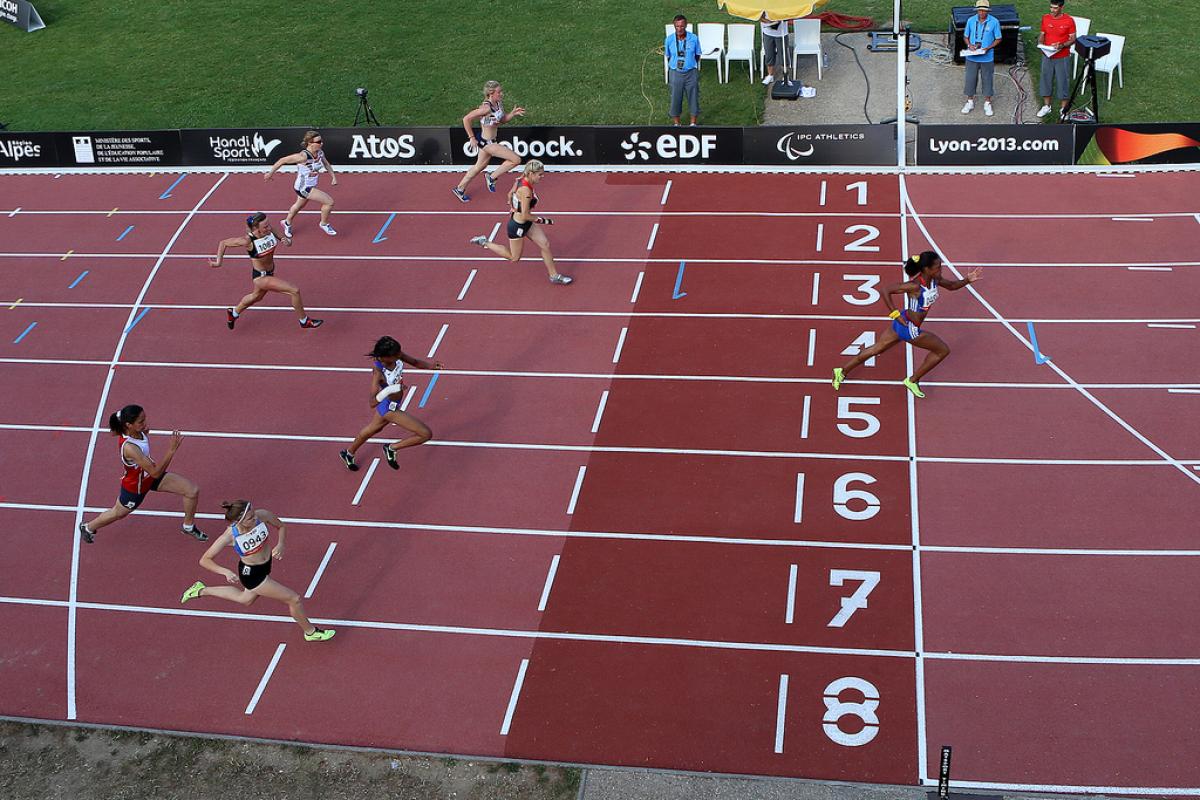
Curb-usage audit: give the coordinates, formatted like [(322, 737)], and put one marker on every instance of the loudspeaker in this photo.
[(1093, 47), (786, 90), (1010, 35)]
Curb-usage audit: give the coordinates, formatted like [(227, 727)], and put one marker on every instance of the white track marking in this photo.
[(101, 407), (600, 411), (575, 490), (666, 191), (820, 235), (637, 287), (620, 345), (1132, 219), (798, 516), (824, 187), (1149, 269), (653, 234), (549, 583), (362, 486), (15, 211), (789, 615), (780, 711), (804, 417), (412, 390), (262, 684), (512, 699), (1168, 325), (312, 587), (467, 285), (1184, 391), (495, 230), (816, 287), (1057, 369), (812, 345), (437, 341)]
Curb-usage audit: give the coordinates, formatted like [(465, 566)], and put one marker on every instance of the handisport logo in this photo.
[(242, 148), (790, 147), (16, 149), (672, 146), (372, 146), (560, 147)]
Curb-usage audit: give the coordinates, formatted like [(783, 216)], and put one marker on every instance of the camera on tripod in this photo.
[(361, 92), (364, 111), (1089, 49)]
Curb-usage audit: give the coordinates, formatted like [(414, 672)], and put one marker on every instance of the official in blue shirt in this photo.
[(982, 32), (683, 57)]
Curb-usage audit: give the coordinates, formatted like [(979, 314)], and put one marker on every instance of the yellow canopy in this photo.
[(774, 9)]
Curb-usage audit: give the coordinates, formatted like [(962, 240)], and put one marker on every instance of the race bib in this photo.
[(264, 245)]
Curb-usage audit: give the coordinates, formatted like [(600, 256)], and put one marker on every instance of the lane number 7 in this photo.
[(857, 600)]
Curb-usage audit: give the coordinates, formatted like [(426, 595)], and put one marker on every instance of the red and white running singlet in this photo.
[(135, 479)]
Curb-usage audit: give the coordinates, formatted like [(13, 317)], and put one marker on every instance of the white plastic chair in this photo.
[(808, 42), (741, 47), (712, 43), (1112, 62), (667, 67), (1082, 26)]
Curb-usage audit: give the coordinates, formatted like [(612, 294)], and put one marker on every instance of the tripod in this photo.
[(1088, 75), (365, 112)]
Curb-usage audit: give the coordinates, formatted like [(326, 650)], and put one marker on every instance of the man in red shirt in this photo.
[(1055, 41)]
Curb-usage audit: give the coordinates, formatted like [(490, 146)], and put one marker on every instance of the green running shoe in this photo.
[(319, 635), (838, 377), (912, 387), (192, 592)]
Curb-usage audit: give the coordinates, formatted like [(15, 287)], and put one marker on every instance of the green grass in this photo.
[(136, 64)]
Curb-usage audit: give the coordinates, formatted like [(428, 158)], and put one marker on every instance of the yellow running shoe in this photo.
[(838, 377), (912, 387), (192, 592), (319, 635)]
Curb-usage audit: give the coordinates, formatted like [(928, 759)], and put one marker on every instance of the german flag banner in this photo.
[(1141, 143)]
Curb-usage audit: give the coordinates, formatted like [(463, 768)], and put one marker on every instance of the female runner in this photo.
[(386, 386), (922, 292), (522, 224), (309, 162), (143, 475), (490, 114), (248, 534), (260, 243)]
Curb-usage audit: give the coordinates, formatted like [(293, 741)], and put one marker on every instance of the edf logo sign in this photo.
[(669, 146)]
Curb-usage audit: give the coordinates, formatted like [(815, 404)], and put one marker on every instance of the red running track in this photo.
[(646, 531)]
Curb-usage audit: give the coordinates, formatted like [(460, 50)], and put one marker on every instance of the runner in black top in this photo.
[(522, 224)]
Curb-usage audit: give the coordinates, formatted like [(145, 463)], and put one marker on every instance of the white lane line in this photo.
[(101, 410), (790, 616), (812, 345), (816, 287), (666, 191), (1168, 325), (799, 498), (804, 417), (653, 233), (549, 582), (438, 340), (262, 684), (575, 492), (780, 710), (495, 230), (1184, 391), (312, 587), (512, 700), (823, 188), (600, 411), (1116, 418), (1132, 219), (1149, 269), (412, 390), (15, 211), (620, 345), (1111, 175), (362, 487), (637, 287), (467, 285)]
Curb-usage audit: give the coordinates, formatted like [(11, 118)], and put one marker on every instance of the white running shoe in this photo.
[(968, 107), (287, 229), (767, 81), (1043, 111), (325, 226), (480, 240), (987, 109)]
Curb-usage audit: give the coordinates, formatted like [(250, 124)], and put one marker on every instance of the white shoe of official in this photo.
[(987, 109), (968, 106), (767, 81), (1043, 111)]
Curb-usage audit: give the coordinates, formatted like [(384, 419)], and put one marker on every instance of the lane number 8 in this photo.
[(836, 708)]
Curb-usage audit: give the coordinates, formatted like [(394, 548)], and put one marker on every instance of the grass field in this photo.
[(130, 64)]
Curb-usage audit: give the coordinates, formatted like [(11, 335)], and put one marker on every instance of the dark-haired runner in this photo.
[(920, 293), (310, 162), (142, 475), (260, 243), (386, 386), (248, 533)]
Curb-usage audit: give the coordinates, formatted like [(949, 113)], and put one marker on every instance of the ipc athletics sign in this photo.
[(22, 14)]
